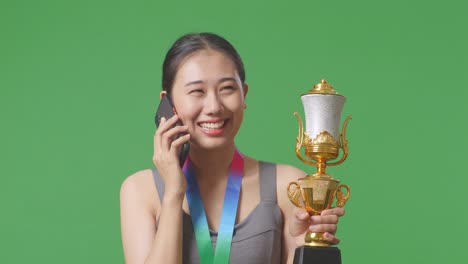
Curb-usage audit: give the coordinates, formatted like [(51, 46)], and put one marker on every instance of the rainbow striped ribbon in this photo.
[(228, 214)]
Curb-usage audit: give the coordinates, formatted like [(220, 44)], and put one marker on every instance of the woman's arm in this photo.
[(144, 241), (285, 175)]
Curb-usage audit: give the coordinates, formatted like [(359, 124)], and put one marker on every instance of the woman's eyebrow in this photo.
[(194, 82), (225, 79)]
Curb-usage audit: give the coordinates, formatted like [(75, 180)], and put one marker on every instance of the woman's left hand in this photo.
[(326, 222)]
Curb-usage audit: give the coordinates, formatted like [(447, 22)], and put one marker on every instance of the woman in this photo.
[(204, 76)]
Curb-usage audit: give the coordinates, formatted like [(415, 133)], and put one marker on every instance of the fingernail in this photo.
[(304, 215)]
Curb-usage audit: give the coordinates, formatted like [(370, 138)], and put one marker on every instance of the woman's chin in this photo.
[(211, 143)]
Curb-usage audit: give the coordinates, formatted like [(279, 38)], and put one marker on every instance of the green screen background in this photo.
[(80, 83)]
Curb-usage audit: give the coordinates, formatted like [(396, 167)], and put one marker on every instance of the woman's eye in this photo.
[(197, 91), (228, 88)]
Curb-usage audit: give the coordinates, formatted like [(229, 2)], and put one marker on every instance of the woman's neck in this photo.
[(211, 163)]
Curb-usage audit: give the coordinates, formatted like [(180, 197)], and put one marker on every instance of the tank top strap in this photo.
[(267, 172), (158, 181)]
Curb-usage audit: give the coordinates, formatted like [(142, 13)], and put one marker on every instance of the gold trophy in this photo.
[(316, 192)]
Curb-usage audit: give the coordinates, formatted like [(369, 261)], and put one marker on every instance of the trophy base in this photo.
[(322, 255)]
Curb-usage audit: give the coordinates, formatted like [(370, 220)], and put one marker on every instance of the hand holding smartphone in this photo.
[(166, 110)]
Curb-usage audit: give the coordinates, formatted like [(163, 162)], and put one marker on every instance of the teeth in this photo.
[(212, 125)]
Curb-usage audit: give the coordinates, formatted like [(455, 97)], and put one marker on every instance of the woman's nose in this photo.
[(213, 104)]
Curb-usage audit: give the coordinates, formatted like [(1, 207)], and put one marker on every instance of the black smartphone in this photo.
[(166, 109)]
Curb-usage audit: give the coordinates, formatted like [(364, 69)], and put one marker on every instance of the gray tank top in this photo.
[(256, 239)]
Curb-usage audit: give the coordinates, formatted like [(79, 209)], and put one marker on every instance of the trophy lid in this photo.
[(322, 88)]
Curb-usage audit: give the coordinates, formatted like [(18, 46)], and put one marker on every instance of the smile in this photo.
[(213, 128), (209, 125)]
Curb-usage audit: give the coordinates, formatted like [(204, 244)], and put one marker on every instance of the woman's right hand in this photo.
[(165, 156), (326, 223)]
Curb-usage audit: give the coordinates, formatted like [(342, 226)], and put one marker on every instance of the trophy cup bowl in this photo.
[(322, 141)]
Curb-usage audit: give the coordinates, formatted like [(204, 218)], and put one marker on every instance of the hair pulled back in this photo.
[(193, 42)]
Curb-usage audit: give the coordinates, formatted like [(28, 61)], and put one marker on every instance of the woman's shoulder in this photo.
[(138, 179), (284, 172), (139, 188), (288, 173)]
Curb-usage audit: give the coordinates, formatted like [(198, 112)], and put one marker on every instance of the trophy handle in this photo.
[(341, 196), (300, 141), (294, 196), (344, 143)]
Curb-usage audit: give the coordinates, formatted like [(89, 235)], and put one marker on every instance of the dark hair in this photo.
[(193, 42)]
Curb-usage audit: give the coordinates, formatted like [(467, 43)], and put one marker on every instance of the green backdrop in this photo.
[(80, 83)]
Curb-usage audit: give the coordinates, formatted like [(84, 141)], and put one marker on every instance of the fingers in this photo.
[(299, 222), (166, 131), (164, 125), (338, 211), (324, 219), (301, 219), (159, 131), (166, 145), (166, 141), (175, 145), (331, 238), (330, 228), (326, 223), (301, 214)]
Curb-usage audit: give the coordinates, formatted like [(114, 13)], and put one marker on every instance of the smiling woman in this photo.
[(221, 206), (208, 95)]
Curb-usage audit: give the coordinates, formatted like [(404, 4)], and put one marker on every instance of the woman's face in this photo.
[(209, 98)]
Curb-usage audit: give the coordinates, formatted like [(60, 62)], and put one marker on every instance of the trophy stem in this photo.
[(321, 166)]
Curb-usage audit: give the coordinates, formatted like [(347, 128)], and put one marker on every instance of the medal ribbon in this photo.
[(228, 214)]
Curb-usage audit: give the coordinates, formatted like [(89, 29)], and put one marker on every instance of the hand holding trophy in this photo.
[(316, 192)]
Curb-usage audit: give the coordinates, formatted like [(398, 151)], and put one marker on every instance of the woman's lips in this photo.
[(213, 128)]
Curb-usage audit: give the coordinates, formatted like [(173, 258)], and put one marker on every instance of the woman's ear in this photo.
[(163, 93), (245, 89)]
